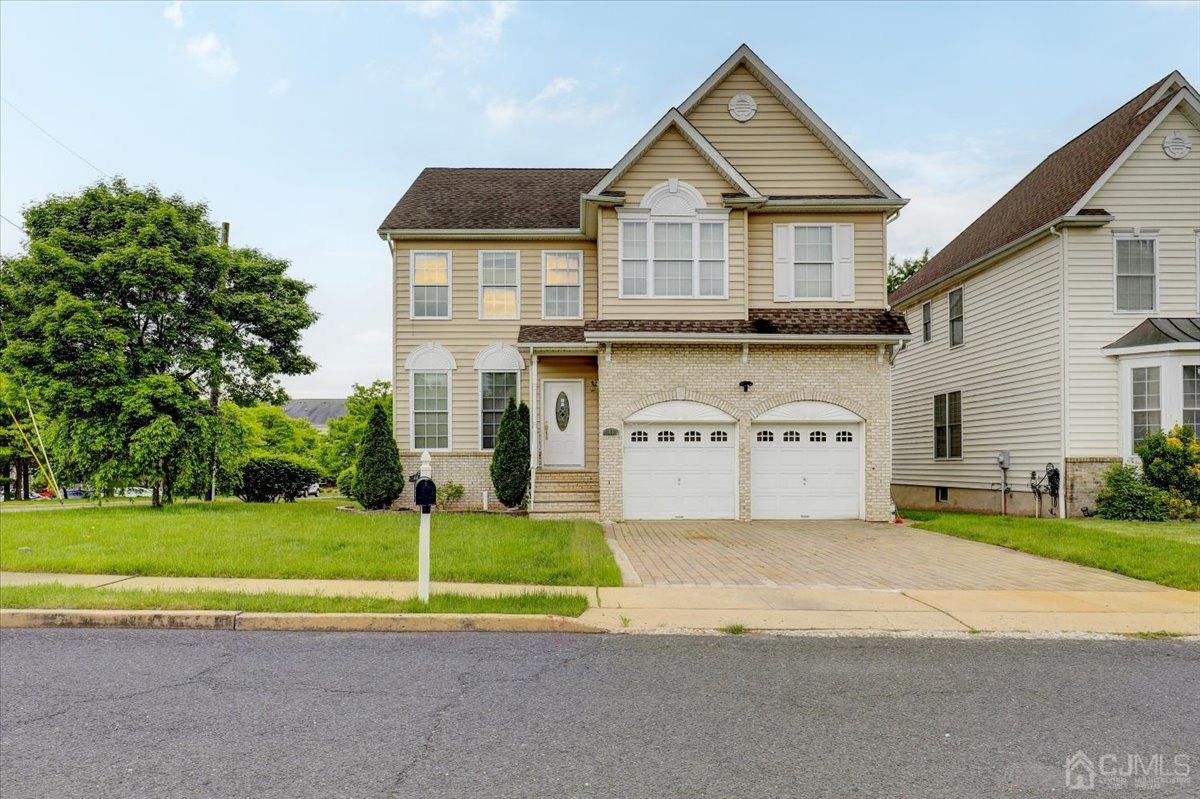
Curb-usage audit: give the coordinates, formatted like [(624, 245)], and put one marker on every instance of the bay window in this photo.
[(562, 284), (1191, 396), (1147, 402)]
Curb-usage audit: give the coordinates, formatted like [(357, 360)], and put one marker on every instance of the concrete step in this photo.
[(589, 506), (541, 496), (566, 477)]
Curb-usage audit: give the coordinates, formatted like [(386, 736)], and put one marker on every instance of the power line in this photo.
[(54, 138), (14, 224)]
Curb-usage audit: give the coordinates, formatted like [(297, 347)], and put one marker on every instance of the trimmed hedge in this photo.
[(268, 478)]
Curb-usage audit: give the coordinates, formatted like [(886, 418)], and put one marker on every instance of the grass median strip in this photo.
[(56, 596), (1167, 553)]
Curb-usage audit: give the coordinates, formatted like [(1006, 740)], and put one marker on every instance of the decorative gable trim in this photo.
[(695, 138), (1170, 83), (744, 55), (1186, 100)]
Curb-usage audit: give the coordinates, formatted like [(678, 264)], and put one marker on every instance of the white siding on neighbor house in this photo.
[(1008, 370), (1149, 191)]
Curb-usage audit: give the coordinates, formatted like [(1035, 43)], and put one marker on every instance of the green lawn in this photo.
[(1163, 552), (53, 595), (304, 539)]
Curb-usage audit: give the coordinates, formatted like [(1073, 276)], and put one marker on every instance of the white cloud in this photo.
[(559, 101), (209, 55), (279, 87), (474, 33), (173, 13), (427, 8)]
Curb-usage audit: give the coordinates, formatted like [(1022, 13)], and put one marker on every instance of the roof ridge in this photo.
[(525, 168)]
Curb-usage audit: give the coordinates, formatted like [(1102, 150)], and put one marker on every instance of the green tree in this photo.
[(339, 448), (272, 430), (510, 459), (378, 474), (897, 273), (125, 313)]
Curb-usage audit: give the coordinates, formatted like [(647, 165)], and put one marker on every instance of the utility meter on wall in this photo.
[(1002, 459)]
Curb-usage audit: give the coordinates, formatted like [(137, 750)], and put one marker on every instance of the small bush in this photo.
[(378, 474), (449, 492), (1171, 461), (1180, 507), (345, 482), (1128, 497), (510, 460), (267, 478)]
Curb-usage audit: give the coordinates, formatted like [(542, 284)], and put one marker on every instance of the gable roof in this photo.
[(809, 118), (492, 199), (320, 412), (694, 137), (1056, 188)]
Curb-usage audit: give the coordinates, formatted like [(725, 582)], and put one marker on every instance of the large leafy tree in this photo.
[(339, 450), (900, 271), (128, 316)]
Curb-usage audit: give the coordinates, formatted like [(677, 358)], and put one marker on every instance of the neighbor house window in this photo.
[(673, 259), (927, 321), (1147, 402), (431, 410), (562, 284), (430, 285), (956, 317), (813, 260), (947, 425), (495, 390), (1191, 396), (1135, 274), (499, 284)]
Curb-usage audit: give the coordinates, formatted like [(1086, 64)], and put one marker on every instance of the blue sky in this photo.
[(302, 123)]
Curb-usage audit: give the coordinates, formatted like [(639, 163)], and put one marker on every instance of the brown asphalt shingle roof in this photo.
[(478, 198), (550, 334), (1045, 194), (768, 322)]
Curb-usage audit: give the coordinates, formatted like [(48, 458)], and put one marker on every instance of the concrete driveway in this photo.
[(841, 554)]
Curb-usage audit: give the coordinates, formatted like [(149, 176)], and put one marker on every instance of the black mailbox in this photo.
[(426, 494)]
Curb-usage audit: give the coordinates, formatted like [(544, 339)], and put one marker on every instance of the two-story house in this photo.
[(1061, 325), (701, 330)]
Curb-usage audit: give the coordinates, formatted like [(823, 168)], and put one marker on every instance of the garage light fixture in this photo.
[(745, 384)]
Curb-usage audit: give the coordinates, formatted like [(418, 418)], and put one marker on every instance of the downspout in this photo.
[(1063, 434), (534, 425)]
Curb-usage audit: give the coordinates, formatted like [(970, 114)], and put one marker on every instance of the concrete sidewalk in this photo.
[(669, 608)]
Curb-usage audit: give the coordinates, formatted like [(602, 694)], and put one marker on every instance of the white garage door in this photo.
[(680, 471), (806, 471)]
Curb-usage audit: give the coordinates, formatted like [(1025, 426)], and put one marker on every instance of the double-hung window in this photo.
[(499, 284), (430, 284), (1191, 396), (812, 259), (1135, 274), (495, 390), (1146, 387), (956, 317), (677, 257), (562, 284), (926, 321), (947, 425), (430, 410)]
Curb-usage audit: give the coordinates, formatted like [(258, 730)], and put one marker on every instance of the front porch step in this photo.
[(541, 495)]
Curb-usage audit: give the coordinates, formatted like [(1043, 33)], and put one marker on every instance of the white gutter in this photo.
[(544, 346), (1152, 349), (743, 338), (483, 233)]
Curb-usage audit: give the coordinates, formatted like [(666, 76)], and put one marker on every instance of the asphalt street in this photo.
[(111, 713)]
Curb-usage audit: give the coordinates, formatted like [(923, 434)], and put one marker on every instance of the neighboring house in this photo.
[(701, 330), (1059, 326), (320, 412)]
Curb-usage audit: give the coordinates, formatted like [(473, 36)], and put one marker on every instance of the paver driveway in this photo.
[(839, 554)]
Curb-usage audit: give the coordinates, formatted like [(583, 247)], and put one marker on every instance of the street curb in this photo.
[(297, 622)]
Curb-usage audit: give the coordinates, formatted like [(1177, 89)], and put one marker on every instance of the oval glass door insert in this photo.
[(562, 410)]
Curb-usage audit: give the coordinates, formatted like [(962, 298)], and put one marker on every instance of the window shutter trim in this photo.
[(845, 261), (785, 279)]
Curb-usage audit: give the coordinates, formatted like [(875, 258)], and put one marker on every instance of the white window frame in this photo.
[(643, 216), (926, 321), (579, 254), (1134, 235), (833, 266), (1197, 271), (1170, 391), (481, 373), (517, 286), (412, 410), (950, 318), (412, 284), (1183, 406), (961, 438)]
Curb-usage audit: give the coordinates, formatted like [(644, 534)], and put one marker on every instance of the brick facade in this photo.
[(1083, 481), (639, 375), (470, 468)]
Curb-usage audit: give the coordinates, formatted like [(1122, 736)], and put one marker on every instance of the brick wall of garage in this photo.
[(638, 375)]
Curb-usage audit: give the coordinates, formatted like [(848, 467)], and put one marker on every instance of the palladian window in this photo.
[(673, 245)]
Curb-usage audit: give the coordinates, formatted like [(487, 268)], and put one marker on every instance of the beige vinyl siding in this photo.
[(870, 261), (774, 150), (466, 334), (1150, 190), (672, 156), (578, 367), (1008, 370), (612, 306)]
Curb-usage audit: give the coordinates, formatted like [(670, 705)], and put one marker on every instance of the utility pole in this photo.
[(214, 393)]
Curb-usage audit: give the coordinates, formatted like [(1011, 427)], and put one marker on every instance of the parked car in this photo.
[(133, 491), (313, 490)]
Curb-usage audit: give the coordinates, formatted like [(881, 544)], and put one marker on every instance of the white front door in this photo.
[(686, 470), (562, 423), (806, 471)]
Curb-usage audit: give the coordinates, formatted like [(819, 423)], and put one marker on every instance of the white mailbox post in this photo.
[(426, 496)]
